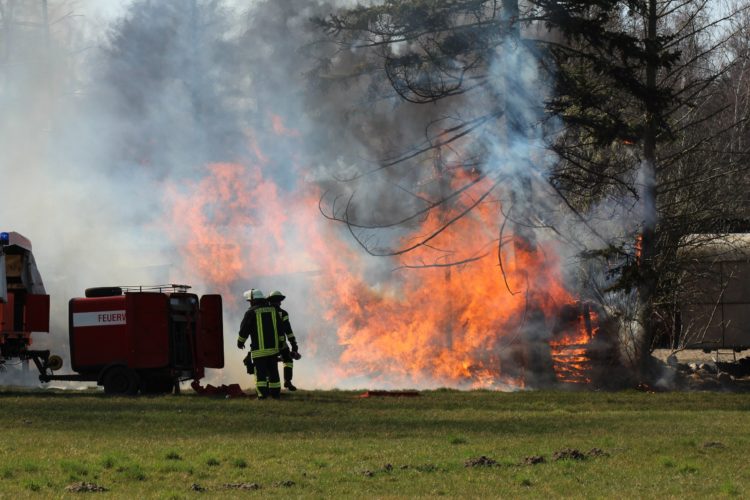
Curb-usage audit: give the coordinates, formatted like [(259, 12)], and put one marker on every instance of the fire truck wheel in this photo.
[(54, 363), (120, 380)]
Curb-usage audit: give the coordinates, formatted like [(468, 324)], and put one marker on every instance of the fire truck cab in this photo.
[(24, 304)]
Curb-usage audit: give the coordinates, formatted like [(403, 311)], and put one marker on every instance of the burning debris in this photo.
[(570, 344), (227, 391)]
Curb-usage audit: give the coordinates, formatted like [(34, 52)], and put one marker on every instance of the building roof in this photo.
[(730, 247)]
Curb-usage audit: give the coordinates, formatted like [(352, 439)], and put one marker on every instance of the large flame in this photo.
[(426, 323)]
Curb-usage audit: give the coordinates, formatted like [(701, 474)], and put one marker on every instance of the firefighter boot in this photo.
[(261, 379), (274, 388), (288, 377)]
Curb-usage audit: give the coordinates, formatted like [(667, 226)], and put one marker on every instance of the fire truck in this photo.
[(127, 339)]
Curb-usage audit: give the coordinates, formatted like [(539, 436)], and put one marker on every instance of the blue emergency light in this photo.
[(4, 238)]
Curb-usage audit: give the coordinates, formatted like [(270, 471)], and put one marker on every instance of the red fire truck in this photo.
[(127, 339), (24, 304)]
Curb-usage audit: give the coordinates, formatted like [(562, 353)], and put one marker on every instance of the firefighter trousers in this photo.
[(288, 364), (267, 377)]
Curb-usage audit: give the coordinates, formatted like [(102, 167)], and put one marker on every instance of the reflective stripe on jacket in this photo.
[(260, 325)]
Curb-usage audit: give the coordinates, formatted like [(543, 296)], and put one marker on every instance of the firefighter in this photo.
[(287, 356), (248, 359), (261, 326)]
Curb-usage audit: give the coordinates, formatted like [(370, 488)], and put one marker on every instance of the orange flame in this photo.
[(638, 247), (570, 350), (430, 326)]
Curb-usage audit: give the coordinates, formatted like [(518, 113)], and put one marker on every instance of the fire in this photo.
[(233, 224), (425, 323), (277, 123), (570, 350)]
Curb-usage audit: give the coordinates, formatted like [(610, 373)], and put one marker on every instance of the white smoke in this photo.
[(129, 96), (121, 97)]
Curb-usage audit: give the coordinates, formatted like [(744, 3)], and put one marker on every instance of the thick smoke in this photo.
[(53, 191), (110, 130), (117, 101)]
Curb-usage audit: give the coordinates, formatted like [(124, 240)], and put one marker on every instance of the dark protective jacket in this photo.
[(286, 328), (261, 326)]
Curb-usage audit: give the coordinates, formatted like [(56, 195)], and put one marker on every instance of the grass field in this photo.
[(332, 444)]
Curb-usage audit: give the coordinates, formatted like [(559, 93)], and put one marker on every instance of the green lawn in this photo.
[(324, 444)]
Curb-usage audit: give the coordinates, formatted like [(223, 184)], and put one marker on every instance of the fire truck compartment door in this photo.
[(36, 318), (210, 342), (148, 324), (6, 314)]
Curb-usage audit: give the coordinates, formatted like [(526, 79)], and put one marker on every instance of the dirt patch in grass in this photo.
[(84, 487), (533, 460), (568, 454), (480, 462), (242, 486), (597, 452)]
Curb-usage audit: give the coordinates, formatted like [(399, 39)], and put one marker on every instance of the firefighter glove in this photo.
[(240, 344), (296, 355)]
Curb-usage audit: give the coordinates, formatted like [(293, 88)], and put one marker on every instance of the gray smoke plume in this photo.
[(123, 112), (115, 100)]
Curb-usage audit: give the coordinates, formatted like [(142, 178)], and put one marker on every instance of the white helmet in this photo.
[(253, 294)]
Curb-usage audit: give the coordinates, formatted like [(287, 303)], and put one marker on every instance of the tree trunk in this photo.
[(647, 286), (536, 354)]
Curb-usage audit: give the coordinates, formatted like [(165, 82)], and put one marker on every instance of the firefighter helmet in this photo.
[(253, 294), (276, 296)]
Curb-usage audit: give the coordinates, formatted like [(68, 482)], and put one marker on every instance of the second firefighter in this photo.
[(287, 357), (261, 325)]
